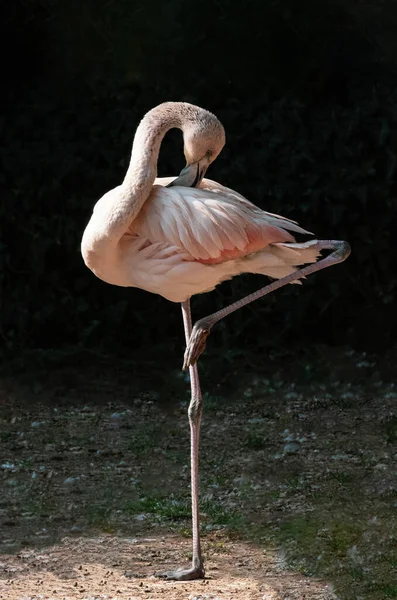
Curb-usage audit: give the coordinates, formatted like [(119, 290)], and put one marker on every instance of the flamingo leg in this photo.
[(201, 330), (196, 571)]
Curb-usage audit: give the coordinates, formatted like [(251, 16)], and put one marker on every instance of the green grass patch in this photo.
[(178, 508)]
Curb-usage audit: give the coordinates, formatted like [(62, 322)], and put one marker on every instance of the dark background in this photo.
[(307, 93)]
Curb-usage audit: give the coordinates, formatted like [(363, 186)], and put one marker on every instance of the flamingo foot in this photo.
[(183, 574), (196, 344)]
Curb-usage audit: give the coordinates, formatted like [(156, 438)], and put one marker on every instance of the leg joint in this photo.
[(195, 409), (341, 249)]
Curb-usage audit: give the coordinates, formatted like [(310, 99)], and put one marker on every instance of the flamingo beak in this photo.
[(191, 175)]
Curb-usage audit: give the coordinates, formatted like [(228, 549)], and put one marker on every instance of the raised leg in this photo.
[(202, 328), (196, 571)]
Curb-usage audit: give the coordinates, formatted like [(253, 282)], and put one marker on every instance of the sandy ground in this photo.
[(108, 567)]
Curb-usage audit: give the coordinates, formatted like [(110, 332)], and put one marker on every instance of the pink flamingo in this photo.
[(178, 237)]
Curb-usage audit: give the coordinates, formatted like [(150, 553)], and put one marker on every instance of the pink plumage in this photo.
[(185, 241)]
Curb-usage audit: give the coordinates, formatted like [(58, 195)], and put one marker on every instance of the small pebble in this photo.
[(291, 448), (70, 480)]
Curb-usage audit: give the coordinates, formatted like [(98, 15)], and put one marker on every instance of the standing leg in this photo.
[(195, 411), (202, 328)]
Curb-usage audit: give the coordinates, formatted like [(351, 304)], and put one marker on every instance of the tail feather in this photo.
[(281, 259), (297, 253)]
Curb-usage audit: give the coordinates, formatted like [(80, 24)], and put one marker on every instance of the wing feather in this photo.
[(211, 223)]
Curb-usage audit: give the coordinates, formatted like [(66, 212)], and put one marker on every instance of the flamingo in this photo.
[(182, 236)]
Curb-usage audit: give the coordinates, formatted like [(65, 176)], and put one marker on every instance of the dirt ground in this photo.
[(298, 481), (111, 567)]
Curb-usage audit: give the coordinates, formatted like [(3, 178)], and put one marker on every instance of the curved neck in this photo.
[(142, 170), (117, 209), (118, 212)]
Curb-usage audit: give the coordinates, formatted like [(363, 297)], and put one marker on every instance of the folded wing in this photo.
[(211, 223)]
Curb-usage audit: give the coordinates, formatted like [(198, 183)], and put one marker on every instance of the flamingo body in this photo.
[(185, 241)]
